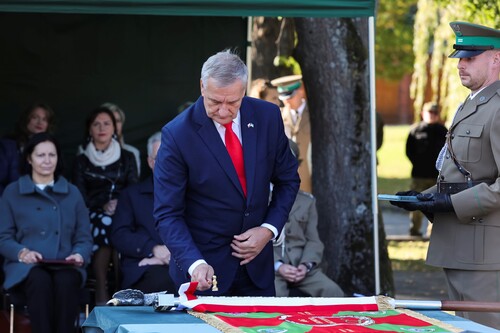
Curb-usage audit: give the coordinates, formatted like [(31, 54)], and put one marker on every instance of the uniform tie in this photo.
[(235, 151)]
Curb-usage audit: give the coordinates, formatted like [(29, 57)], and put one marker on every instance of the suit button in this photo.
[(57, 232), (473, 218), (447, 156), (247, 214), (481, 220), (467, 132)]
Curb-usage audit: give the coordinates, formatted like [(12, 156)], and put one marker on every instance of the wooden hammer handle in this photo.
[(470, 306)]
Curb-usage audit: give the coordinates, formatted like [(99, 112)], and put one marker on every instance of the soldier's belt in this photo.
[(452, 188)]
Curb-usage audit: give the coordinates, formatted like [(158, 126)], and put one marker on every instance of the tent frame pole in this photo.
[(373, 140)]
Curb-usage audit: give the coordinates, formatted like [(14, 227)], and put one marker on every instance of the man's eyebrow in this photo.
[(214, 100)]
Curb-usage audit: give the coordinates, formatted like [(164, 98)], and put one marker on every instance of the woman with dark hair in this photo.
[(101, 172), (37, 118), (44, 218)]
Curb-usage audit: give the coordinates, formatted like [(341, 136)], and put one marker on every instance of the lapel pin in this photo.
[(250, 125)]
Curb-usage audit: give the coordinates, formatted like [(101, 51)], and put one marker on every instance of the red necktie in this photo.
[(235, 150)]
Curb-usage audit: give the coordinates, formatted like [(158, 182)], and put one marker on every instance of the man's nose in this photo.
[(224, 111)]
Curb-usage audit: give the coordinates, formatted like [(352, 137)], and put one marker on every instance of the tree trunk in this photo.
[(265, 34), (334, 60)]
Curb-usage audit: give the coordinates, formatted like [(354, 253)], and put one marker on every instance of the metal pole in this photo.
[(249, 52), (373, 140)]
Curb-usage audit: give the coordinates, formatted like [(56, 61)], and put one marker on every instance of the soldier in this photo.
[(298, 251), (465, 203), (295, 115)]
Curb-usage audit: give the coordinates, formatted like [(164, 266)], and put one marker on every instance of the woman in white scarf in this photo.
[(101, 171)]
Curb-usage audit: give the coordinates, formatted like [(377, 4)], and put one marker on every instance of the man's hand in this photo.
[(402, 204), (150, 261), (428, 202), (248, 245), (291, 273), (161, 252), (203, 274)]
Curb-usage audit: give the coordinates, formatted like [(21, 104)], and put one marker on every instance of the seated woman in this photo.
[(101, 172), (37, 118), (44, 217), (120, 121)]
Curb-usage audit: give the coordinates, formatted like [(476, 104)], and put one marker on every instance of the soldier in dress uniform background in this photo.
[(465, 203), (298, 251), (295, 113)]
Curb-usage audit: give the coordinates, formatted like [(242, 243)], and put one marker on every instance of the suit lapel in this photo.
[(211, 138), (249, 128)]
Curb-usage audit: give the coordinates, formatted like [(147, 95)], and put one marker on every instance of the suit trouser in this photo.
[(52, 298), (475, 286), (419, 184), (315, 284)]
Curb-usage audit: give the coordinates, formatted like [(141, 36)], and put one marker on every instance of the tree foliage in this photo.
[(394, 38), (433, 43)]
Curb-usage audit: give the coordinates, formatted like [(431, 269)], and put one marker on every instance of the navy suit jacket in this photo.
[(199, 202), (133, 230)]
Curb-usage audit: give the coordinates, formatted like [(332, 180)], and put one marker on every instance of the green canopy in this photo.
[(295, 8)]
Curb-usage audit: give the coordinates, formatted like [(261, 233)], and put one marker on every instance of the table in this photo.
[(135, 319), (142, 319)]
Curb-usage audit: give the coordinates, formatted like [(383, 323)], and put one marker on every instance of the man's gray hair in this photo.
[(151, 141), (225, 68)]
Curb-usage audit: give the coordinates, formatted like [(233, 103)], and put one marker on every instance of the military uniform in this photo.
[(302, 245), (297, 125), (465, 242)]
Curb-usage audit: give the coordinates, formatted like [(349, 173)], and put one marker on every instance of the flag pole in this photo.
[(445, 305)]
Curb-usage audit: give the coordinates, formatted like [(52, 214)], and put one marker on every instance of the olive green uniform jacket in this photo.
[(469, 238), (302, 245)]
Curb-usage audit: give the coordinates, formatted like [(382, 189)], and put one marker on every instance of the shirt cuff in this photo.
[(194, 265), (272, 228), (277, 265)]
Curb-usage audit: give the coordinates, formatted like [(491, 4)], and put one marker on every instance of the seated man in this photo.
[(298, 251), (144, 258)]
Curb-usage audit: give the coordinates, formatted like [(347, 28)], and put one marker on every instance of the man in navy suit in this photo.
[(213, 221), (144, 258)]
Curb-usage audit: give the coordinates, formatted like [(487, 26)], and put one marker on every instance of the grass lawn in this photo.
[(409, 256), (394, 172), (394, 168)]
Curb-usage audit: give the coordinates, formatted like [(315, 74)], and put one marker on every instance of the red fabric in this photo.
[(284, 309), (235, 150)]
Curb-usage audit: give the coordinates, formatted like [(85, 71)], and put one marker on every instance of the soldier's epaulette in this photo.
[(307, 194)]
